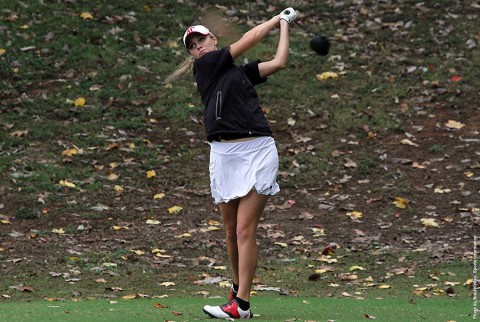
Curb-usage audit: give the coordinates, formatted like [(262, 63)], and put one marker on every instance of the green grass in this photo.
[(265, 308)]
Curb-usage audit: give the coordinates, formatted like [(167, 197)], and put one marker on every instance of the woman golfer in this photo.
[(243, 156)]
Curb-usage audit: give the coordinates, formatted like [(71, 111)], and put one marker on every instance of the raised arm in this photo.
[(253, 37), (256, 34), (280, 60)]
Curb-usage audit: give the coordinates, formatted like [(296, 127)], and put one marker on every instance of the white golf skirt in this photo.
[(236, 168)]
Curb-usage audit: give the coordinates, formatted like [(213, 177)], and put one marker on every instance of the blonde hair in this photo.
[(182, 69)]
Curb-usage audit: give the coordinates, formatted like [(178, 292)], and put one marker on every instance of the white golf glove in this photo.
[(289, 15)]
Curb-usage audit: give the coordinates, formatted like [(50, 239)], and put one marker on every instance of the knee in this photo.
[(244, 234), (231, 234)]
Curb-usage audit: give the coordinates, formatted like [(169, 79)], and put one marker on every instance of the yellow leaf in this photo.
[(384, 286), (162, 255), (408, 142), (429, 222), (109, 265), (451, 283), (213, 228), (400, 202), (58, 231), (159, 196), (117, 188), (138, 252), (442, 190), (468, 174), (70, 152), (151, 174), (354, 214), (174, 210), (66, 183), (129, 297), (24, 27), (184, 235), (167, 284), (468, 282), (2, 51), (5, 222), (228, 284), (153, 222), (356, 268), (321, 270), (327, 259), (113, 176), (79, 101), (327, 75), (281, 244), (220, 267), (454, 124), (86, 16)]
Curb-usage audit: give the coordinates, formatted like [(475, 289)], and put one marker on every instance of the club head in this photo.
[(320, 44)]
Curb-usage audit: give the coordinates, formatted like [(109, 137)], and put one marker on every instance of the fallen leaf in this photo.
[(384, 286), (400, 202), (184, 235), (327, 75), (354, 214), (19, 134), (151, 174), (79, 102), (129, 297), (167, 284), (66, 183), (153, 222), (159, 196), (429, 222), (456, 78), (174, 210), (356, 268), (59, 231), (408, 142), (454, 124), (86, 16), (70, 152)]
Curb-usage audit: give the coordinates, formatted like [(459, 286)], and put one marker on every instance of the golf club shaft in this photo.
[(304, 28)]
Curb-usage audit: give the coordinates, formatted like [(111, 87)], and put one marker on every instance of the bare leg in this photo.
[(250, 209), (229, 215)]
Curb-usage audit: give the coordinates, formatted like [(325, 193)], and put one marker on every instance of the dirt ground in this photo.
[(414, 190)]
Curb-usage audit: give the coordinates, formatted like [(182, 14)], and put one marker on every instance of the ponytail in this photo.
[(183, 68)]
